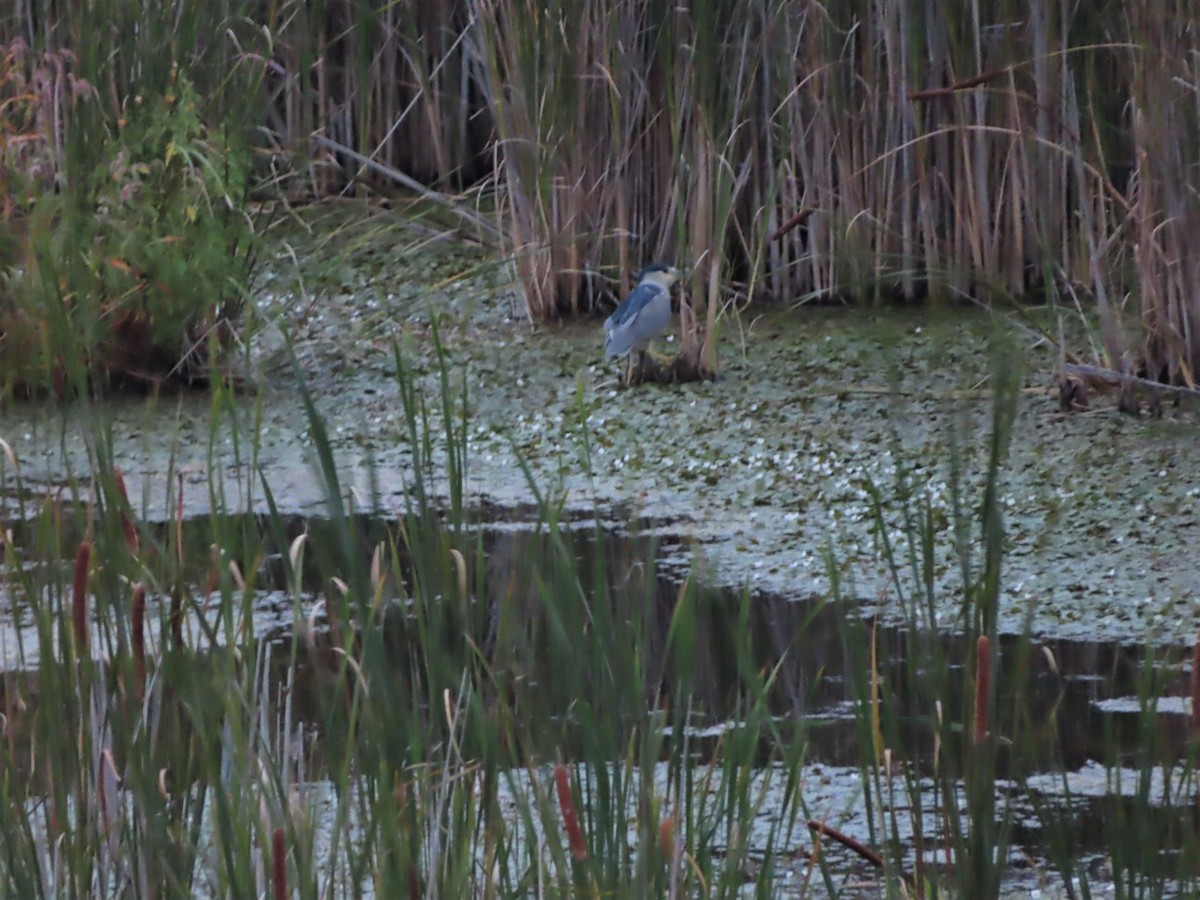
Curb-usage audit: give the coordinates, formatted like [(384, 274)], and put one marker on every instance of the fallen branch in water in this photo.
[(794, 222), (411, 183), (974, 81), (1113, 378)]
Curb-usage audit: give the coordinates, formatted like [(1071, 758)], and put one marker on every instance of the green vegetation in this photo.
[(133, 246)]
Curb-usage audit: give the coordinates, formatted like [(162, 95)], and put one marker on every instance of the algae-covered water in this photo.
[(766, 470)]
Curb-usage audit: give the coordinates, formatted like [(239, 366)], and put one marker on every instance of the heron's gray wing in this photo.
[(648, 321), (653, 319), (618, 342), (632, 305)]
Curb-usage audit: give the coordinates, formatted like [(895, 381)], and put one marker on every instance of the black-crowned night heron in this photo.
[(643, 315)]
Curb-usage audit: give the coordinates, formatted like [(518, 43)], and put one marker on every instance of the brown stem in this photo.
[(791, 224), (846, 841), (176, 618), (1195, 685), (971, 82)]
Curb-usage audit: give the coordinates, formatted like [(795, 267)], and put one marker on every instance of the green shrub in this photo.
[(134, 270)]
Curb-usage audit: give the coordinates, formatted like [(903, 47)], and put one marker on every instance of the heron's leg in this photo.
[(661, 358)]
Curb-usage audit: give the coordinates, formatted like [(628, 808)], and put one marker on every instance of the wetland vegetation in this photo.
[(415, 598)]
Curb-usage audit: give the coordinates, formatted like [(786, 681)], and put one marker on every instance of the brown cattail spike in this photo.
[(562, 783), (131, 535), (176, 618), (983, 688), (279, 865), (1195, 686), (79, 610), (846, 841), (666, 837), (138, 639)]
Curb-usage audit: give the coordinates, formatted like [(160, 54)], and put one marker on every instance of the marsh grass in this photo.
[(935, 728), (448, 738), (948, 732)]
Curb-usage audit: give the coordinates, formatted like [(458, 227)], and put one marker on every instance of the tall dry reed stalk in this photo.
[(1165, 119)]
